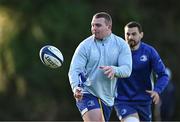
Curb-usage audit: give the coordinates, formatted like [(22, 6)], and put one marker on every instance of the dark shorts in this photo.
[(144, 111), (90, 102)]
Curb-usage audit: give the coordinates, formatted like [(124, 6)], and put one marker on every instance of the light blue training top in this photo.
[(90, 55)]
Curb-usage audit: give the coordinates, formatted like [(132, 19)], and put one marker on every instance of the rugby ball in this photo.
[(51, 56)]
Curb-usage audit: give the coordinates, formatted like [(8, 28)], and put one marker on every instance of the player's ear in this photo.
[(110, 26), (142, 34)]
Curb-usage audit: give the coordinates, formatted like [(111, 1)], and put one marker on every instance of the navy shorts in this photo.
[(90, 102), (144, 111)]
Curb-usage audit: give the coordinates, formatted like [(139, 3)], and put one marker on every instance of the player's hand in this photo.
[(108, 70), (154, 96), (78, 94)]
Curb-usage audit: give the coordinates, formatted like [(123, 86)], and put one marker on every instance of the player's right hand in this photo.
[(108, 70), (78, 94)]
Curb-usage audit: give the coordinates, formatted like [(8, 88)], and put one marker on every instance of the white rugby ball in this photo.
[(51, 56)]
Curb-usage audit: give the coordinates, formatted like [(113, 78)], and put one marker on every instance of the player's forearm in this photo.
[(161, 84), (123, 71)]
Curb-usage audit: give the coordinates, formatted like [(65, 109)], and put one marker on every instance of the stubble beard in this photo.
[(133, 43)]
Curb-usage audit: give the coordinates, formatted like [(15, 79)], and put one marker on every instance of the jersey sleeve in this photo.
[(159, 69), (77, 65), (124, 67)]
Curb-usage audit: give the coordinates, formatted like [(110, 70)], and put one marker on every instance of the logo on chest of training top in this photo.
[(143, 58)]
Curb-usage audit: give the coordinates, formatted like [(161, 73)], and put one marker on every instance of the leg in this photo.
[(95, 115), (93, 109), (131, 118), (126, 112)]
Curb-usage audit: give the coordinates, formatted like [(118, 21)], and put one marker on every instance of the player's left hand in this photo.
[(154, 96), (108, 70)]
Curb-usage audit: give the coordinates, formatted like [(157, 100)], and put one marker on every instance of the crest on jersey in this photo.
[(90, 103), (143, 58)]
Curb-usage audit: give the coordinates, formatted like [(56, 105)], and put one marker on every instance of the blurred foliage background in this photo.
[(31, 91)]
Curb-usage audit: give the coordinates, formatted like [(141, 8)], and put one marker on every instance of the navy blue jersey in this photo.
[(145, 61)]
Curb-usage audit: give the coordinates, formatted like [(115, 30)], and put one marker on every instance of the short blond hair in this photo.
[(106, 16)]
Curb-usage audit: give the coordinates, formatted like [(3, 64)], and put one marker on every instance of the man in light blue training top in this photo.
[(136, 93), (95, 66)]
